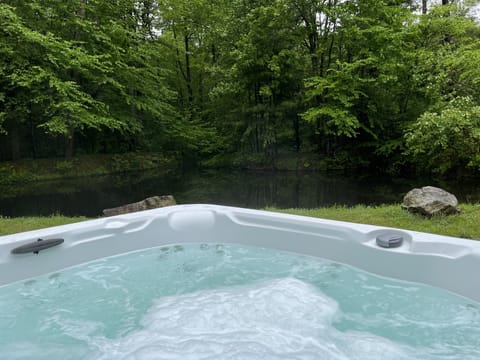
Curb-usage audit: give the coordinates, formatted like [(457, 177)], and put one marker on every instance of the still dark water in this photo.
[(252, 189)]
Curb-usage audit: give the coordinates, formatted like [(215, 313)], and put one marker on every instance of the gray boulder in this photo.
[(149, 203), (430, 200)]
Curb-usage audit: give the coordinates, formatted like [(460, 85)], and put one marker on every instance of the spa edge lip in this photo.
[(435, 260)]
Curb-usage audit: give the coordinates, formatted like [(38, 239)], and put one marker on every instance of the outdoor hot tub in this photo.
[(393, 269)]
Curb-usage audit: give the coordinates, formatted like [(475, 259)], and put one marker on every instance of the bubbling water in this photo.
[(231, 302), (276, 319)]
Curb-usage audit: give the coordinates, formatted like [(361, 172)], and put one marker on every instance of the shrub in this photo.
[(63, 166), (446, 141)]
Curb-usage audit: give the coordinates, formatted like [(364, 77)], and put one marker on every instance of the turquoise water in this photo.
[(231, 302)]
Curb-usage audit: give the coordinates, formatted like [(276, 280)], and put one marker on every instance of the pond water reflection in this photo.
[(252, 189)]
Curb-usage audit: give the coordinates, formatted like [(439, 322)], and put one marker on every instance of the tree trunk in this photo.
[(69, 142), (15, 142), (312, 49), (214, 54), (81, 10), (69, 137), (444, 2), (424, 7), (188, 74), (33, 140), (296, 130), (330, 51)]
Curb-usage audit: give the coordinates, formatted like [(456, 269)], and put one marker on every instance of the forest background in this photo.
[(385, 85)]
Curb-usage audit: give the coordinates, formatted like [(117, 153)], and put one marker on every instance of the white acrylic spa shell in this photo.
[(446, 262)]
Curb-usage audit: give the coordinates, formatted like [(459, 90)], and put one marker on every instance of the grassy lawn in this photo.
[(466, 224), (15, 225)]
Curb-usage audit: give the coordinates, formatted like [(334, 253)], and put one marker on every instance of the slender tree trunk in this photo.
[(257, 140), (69, 136), (311, 42), (322, 63), (200, 99), (188, 70), (296, 191), (81, 9), (325, 38), (214, 54), (15, 141), (258, 116), (69, 142), (424, 7), (330, 51), (146, 16), (296, 130), (312, 48), (33, 140), (185, 71)]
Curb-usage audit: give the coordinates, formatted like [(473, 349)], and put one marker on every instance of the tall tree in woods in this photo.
[(261, 88), (357, 92), (184, 26), (38, 70), (81, 64)]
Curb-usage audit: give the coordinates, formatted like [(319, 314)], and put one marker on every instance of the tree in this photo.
[(360, 95), (267, 76), (84, 67), (39, 91)]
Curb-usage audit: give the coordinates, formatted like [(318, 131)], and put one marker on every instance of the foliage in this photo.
[(74, 67), (357, 92), (45, 81), (9, 174), (448, 140), (338, 97), (119, 163), (64, 166), (228, 79)]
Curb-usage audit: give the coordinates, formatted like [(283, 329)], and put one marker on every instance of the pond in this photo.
[(88, 196)]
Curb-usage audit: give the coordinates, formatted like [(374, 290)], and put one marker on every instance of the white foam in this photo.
[(277, 319)]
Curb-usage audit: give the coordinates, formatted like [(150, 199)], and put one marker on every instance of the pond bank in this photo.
[(89, 195), (27, 171)]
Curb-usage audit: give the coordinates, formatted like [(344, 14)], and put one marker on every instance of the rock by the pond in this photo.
[(430, 200), (149, 203)]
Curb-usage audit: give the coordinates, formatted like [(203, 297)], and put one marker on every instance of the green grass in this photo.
[(20, 224), (465, 225)]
